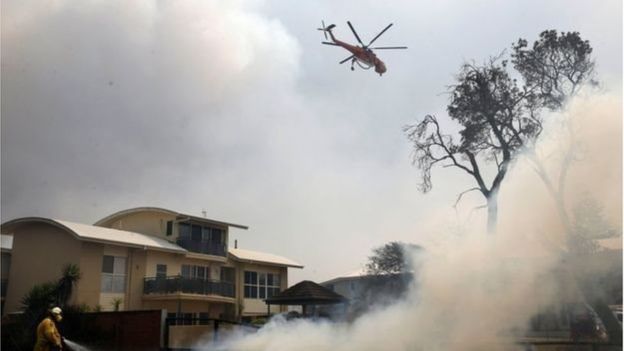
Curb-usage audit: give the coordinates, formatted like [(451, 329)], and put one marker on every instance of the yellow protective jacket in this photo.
[(48, 337)]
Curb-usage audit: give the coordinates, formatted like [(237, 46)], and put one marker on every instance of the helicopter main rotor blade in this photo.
[(355, 33), (329, 43), (380, 33), (389, 47), (347, 59)]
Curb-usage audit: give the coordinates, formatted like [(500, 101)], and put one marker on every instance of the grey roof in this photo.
[(164, 210), (103, 235), (306, 293), (262, 257)]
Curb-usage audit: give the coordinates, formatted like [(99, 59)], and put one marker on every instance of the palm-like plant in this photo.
[(65, 285)]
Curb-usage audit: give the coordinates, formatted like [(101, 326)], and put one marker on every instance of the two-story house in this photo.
[(147, 258)]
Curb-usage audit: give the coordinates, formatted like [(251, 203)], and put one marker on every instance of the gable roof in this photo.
[(306, 293), (170, 212), (262, 257), (85, 232)]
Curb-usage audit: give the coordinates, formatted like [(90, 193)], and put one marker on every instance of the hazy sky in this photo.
[(234, 107)]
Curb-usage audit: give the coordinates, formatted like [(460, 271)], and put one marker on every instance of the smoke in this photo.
[(476, 292)]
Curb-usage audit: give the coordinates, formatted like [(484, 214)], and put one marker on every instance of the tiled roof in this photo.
[(262, 257), (306, 293)]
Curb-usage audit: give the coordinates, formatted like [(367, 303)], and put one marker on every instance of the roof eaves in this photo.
[(77, 236), (251, 261)]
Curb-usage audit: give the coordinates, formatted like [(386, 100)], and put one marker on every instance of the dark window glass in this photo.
[(247, 277), (205, 234), (262, 292), (254, 292), (107, 264), (188, 318), (216, 237), (203, 318), (254, 278), (185, 231), (262, 279), (196, 233), (169, 228), (227, 274), (161, 270), (171, 317), (186, 271), (276, 291), (5, 265), (201, 272), (269, 279), (247, 291)]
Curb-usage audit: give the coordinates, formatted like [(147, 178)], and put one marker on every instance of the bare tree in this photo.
[(565, 57), (499, 118)]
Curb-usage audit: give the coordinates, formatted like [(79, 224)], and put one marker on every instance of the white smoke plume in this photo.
[(476, 292)]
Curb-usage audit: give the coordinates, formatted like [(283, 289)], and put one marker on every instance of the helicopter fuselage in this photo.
[(366, 56)]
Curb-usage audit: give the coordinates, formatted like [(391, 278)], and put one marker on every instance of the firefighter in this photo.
[(48, 336)]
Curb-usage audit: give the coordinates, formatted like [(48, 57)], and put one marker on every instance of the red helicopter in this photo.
[(362, 55)]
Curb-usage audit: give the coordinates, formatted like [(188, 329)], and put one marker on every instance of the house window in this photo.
[(261, 285), (203, 318), (273, 284), (113, 274), (161, 271), (169, 228), (227, 274), (172, 317), (196, 233), (185, 231), (216, 236), (251, 285), (195, 272), (187, 319)]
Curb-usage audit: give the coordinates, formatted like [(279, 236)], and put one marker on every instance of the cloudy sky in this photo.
[(234, 107)]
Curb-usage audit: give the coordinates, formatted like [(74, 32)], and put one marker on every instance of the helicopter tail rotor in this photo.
[(326, 29)]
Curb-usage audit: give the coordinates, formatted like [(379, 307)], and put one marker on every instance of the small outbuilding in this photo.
[(306, 293)]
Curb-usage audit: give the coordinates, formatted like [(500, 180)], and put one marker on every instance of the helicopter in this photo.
[(363, 55)]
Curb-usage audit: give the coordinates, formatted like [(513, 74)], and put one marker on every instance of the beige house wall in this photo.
[(137, 259), (214, 309), (254, 307), (149, 222), (40, 251), (89, 285)]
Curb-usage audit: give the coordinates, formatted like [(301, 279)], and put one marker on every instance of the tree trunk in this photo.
[(492, 218)]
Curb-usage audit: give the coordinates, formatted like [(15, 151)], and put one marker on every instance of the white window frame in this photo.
[(117, 278)]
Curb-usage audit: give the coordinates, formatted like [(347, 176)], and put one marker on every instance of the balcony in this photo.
[(207, 248), (178, 284)]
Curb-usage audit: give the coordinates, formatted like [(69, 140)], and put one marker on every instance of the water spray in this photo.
[(74, 346)]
